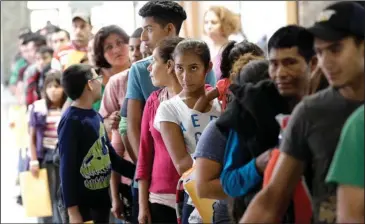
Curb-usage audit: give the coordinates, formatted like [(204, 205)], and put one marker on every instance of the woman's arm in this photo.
[(238, 178), (174, 141), (203, 101), (34, 168), (209, 156), (208, 184), (145, 156)]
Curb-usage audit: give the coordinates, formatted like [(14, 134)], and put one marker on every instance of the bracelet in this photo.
[(34, 163)]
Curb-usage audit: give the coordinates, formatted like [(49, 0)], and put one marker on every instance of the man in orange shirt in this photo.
[(76, 50)]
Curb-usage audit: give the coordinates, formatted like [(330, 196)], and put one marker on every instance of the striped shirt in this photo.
[(50, 138)]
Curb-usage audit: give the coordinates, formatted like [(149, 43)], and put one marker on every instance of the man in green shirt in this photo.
[(347, 170)]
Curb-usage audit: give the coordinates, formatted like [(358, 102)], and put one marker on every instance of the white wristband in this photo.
[(34, 163)]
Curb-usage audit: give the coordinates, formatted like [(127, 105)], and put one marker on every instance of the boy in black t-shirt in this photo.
[(86, 155)]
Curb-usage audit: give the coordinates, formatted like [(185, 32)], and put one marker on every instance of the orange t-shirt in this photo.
[(69, 55)]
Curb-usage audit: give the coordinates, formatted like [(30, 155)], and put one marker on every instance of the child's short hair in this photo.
[(45, 49), (199, 47), (75, 78)]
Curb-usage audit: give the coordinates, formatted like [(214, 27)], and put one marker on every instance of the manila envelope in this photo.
[(35, 194), (203, 205)]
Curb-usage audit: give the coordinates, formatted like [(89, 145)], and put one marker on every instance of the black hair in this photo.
[(66, 32), (52, 29), (167, 46), (137, 33), (293, 36), (23, 33), (38, 40), (99, 39), (253, 72), (233, 51), (53, 76), (199, 47), (44, 50), (164, 12), (75, 78)]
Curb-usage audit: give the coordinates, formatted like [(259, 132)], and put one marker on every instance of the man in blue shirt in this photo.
[(160, 19)]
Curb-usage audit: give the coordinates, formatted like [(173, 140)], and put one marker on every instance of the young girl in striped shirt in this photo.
[(45, 115)]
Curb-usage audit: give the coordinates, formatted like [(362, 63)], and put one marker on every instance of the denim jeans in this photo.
[(220, 213), (187, 210), (135, 205)]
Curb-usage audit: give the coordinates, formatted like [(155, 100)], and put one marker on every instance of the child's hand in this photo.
[(117, 208), (34, 169), (112, 122)]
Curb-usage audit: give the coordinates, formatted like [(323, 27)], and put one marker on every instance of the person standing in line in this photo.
[(160, 19), (314, 128), (80, 36), (156, 175), (86, 155), (347, 170), (44, 118), (179, 124)]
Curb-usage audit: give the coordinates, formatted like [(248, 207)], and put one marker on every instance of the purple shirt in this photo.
[(38, 116)]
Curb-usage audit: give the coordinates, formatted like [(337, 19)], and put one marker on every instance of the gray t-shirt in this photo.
[(311, 136), (212, 145)]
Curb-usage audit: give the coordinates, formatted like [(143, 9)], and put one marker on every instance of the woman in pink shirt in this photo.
[(156, 174)]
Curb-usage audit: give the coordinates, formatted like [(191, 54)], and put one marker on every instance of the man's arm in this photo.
[(350, 204), (134, 119), (272, 201), (135, 108)]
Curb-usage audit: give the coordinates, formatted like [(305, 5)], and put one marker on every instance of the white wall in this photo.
[(261, 18)]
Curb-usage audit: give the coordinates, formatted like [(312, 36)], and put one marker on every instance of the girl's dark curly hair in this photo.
[(99, 39), (233, 51)]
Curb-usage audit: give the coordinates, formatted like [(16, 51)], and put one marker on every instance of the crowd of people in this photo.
[(155, 128)]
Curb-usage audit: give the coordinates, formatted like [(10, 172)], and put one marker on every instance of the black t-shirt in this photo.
[(86, 160), (311, 136)]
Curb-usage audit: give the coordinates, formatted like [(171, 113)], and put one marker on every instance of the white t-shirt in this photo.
[(192, 122)]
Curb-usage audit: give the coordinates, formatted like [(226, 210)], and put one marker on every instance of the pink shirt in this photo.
[(113, 97), (154, 162)]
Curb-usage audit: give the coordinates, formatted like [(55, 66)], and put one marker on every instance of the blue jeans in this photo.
[(187, 210), (135, 205)]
